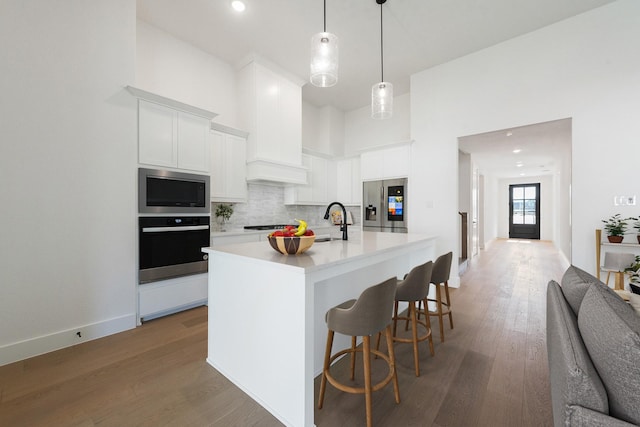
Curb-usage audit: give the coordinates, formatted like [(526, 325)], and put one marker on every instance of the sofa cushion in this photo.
[(610, 330), (575, 283), (574, 379)]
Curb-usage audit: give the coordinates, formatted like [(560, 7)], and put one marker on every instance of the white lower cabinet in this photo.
[(168, 296), (228, 167)]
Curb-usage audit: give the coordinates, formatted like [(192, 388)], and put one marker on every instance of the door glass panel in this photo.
[(518, 211), (517, 193), (530, 193)]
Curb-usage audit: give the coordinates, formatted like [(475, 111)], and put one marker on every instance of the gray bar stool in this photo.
[(414, 288), (440, 278), (369, 314)]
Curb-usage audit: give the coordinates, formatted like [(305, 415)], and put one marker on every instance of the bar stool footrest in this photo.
[(359, 390)]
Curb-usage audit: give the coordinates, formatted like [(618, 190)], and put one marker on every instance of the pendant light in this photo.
[(324, 57), (381, 93)]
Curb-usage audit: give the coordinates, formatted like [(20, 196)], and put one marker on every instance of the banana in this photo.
[(301, 228)]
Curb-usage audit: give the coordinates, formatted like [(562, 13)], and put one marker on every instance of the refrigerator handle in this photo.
[(382, 194)]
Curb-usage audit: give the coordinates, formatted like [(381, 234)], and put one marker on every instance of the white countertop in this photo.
[(326, 254)]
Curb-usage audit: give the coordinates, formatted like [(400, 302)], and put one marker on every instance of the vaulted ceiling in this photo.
[(418, 34)]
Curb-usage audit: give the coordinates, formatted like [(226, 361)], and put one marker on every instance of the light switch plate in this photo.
[(624, 200)]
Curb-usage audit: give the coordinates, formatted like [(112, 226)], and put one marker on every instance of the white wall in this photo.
[(585, 68), (491, 208), (176, 69), (464, 199), (67, 168), (547, 204), (362, 132)]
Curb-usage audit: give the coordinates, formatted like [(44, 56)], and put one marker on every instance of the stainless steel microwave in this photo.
[(164, 191)]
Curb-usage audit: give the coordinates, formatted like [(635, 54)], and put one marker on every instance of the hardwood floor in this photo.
[(490, 371)]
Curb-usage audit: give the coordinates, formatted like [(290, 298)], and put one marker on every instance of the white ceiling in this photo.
[(418, 34), (541, 146)]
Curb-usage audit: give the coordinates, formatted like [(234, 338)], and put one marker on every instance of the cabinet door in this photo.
[(396, 161), (304, 193), (157, 135), (218, 180), (386, 163), (228, 168), (193, 142), (236, 167), (319, 176), (349, 185), (356, 182)]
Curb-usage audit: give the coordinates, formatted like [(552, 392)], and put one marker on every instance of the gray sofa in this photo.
[(593, 345)]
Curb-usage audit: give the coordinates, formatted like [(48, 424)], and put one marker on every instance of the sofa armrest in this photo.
[(581, 416)]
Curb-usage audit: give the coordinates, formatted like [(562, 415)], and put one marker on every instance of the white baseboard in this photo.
[(21, 350)]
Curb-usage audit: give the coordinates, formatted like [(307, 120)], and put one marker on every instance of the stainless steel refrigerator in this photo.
[(385, 205)]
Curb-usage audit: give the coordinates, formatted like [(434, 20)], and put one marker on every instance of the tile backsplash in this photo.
[(265, 205)]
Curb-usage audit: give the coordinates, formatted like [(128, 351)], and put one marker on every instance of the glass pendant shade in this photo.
[(382, 100), (324, 59)]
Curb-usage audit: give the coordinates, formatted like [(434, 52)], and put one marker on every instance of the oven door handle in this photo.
[(178, 228)]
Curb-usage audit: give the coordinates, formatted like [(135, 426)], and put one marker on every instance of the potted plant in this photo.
[(636, 225), (224, 212), (616, 227), (634, 269)]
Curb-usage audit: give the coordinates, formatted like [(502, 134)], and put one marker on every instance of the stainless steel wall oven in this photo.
[(170, 246)]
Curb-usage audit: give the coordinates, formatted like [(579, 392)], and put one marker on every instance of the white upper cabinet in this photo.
[(321, 179), (385, 163), (348, 181), (271, 111), (193, 142), (157, 135), (228, 167), (171, 138), (171, 133)]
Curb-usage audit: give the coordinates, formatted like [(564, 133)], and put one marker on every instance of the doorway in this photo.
[(524, 211)]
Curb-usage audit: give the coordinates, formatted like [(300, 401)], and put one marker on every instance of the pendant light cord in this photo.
[(381, 48), (325, 16)]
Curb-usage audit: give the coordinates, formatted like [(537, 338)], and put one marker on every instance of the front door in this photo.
[(524, 211)]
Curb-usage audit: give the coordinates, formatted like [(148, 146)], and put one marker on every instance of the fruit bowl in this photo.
[(291, 245)]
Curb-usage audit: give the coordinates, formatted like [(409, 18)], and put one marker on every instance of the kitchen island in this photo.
[(266, 310)]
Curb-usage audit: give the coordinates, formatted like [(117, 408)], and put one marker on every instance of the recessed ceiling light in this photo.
[(517, 150), (509, 133), (238, 6), (519, 165), (522, 174)]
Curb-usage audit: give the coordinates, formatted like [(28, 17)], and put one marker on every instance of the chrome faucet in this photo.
[(343, 226)]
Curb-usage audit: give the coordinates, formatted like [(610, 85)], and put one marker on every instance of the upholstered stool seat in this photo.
[(370, 314)]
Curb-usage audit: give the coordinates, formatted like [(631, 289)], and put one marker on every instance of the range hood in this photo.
[(260, 170), (270, 101)]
